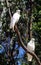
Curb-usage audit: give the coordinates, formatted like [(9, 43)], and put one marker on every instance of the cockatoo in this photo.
[(31, 48), (15, 18)]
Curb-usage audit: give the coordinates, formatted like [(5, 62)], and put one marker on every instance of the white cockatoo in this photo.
[(31, 48), (15, 18)]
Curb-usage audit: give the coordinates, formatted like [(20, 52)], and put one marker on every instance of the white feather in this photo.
[(31, 47), (14, 19)]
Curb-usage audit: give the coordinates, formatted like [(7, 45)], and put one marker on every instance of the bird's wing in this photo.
[(31, 46), (11, 23), (16, 16)]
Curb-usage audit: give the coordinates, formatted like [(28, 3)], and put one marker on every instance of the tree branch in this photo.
[(25, 48), (21, 42), (7, 3)]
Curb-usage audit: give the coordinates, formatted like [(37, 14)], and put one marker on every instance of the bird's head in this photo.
[(18, 11), (33, 39)]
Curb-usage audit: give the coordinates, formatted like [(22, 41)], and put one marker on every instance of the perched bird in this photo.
[(15, 18), (31, 48)]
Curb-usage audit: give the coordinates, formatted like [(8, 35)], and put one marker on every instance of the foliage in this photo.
[(5, 32)]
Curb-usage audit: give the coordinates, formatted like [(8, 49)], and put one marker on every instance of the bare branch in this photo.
[(8, 8), (25, 48)]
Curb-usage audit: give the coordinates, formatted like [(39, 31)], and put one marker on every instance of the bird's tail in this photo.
[(12, 26), (29, 58)]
